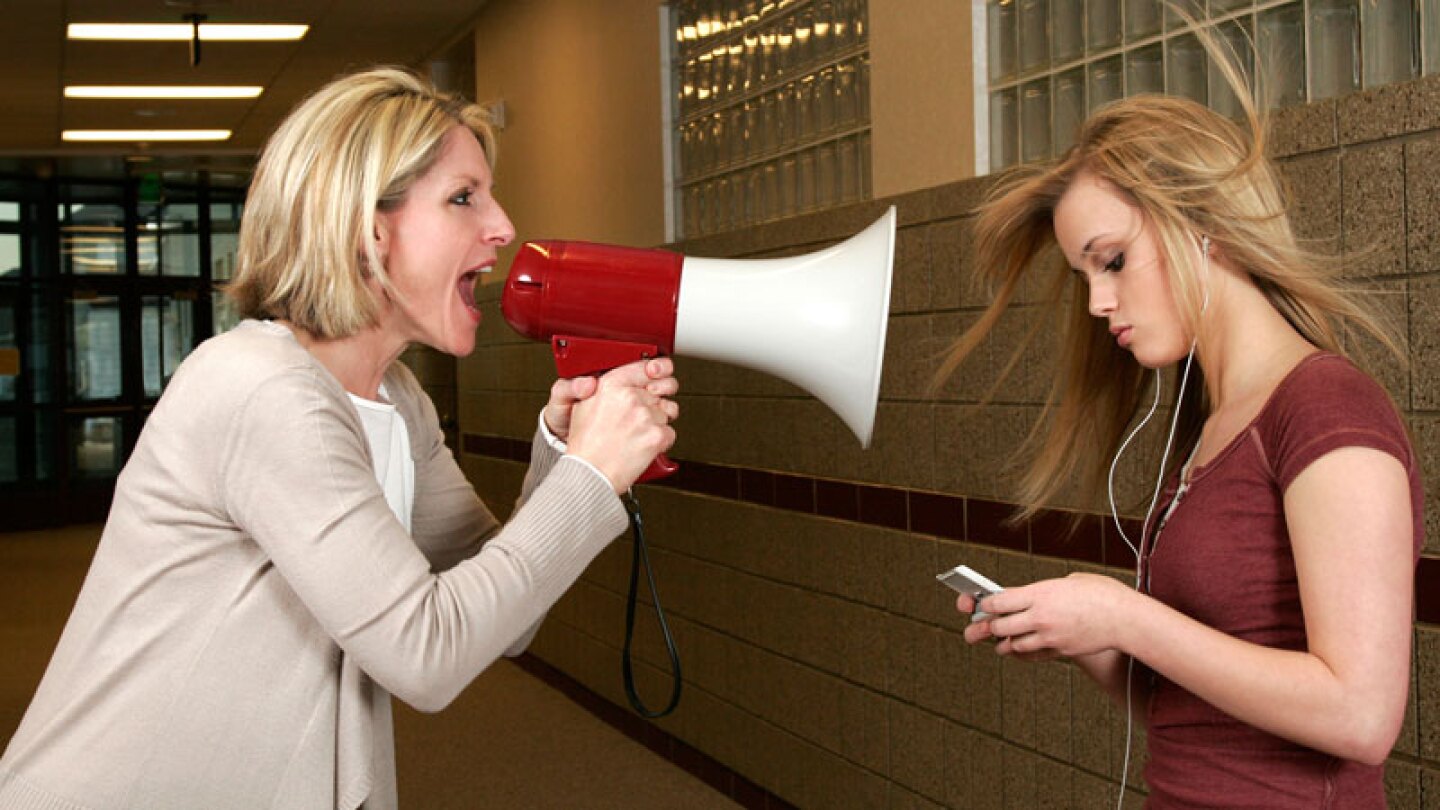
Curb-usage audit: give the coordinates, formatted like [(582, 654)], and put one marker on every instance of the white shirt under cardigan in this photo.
[(254, 600), (389, 443)]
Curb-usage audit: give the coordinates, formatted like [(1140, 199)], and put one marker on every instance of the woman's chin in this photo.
[(455, 347), (461, 345), (455, 344)]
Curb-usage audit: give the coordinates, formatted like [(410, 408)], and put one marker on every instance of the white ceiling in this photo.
[(37, 61)]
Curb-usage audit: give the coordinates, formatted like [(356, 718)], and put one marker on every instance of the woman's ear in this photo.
[(382, 234)]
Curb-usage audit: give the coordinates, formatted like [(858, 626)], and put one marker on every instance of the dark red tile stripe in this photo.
[(837, 499), (1094, 538), (1070, 535), (757, 486), (1427, 590), (496, 447), (936, 514), (795, 492), (884, 506), (988, 522)]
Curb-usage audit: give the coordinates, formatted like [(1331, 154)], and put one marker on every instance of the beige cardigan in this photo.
[(254, 602)]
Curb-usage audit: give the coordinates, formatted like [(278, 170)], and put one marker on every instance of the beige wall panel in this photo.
[(580, 154), (923, 117)]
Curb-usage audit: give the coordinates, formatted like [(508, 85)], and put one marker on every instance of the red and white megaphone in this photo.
[(817, 320)]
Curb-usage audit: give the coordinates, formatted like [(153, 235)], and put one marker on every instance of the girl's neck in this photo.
[(1248, 347)]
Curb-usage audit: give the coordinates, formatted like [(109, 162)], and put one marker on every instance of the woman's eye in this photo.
[(463, 198), (1116, 264)]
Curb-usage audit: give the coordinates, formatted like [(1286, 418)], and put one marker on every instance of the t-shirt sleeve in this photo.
[(1328, 405)]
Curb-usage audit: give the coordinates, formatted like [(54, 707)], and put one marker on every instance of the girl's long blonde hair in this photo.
[(1190, 172)]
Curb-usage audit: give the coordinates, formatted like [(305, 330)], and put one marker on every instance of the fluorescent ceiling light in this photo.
[(211, 32), (162, 91), (145, 135)]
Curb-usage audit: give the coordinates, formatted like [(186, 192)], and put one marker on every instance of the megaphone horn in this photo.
[(817, 320)]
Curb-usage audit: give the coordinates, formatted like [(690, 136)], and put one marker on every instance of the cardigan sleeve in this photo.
[(449, 521), (297, 480)]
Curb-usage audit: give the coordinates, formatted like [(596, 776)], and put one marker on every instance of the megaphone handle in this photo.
[(660, 467)]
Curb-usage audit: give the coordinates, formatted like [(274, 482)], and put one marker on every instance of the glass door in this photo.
[(105, 287)]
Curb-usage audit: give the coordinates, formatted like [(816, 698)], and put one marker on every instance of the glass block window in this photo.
[(770, 110), (1051, 63)]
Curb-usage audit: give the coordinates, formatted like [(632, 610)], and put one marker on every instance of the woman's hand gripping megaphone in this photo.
[(618, 422)]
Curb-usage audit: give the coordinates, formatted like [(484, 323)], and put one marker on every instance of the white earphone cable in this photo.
[(1154, 499)]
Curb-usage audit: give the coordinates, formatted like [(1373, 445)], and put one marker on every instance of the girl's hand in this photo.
[(1078, 615)]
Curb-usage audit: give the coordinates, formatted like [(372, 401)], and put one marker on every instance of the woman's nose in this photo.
[(498, 230)]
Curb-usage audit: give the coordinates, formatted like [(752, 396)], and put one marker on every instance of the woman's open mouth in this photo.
[(467, 291)]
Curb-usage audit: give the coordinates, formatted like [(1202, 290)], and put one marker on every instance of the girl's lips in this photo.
[(1122, 336)]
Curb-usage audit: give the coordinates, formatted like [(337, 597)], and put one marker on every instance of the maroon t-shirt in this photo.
[(1224, 558)]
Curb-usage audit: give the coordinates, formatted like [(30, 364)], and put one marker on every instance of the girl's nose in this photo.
[(1102, 297)]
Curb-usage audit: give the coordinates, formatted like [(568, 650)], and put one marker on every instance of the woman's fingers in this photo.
[(627, 422), (658, 371)]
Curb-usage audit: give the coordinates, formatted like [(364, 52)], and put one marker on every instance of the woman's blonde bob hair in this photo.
[(354, 147), (1189, 172)]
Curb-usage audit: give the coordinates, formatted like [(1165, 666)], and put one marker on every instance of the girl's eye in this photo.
[(463, 198), (1116, 264)]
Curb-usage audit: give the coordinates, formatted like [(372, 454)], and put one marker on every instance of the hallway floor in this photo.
[(509, 741)]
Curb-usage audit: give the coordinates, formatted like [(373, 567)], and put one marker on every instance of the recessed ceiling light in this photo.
[(162, 91), (145, 135), (212, 32)]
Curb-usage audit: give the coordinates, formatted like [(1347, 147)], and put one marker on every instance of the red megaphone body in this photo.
[(599, 306)]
